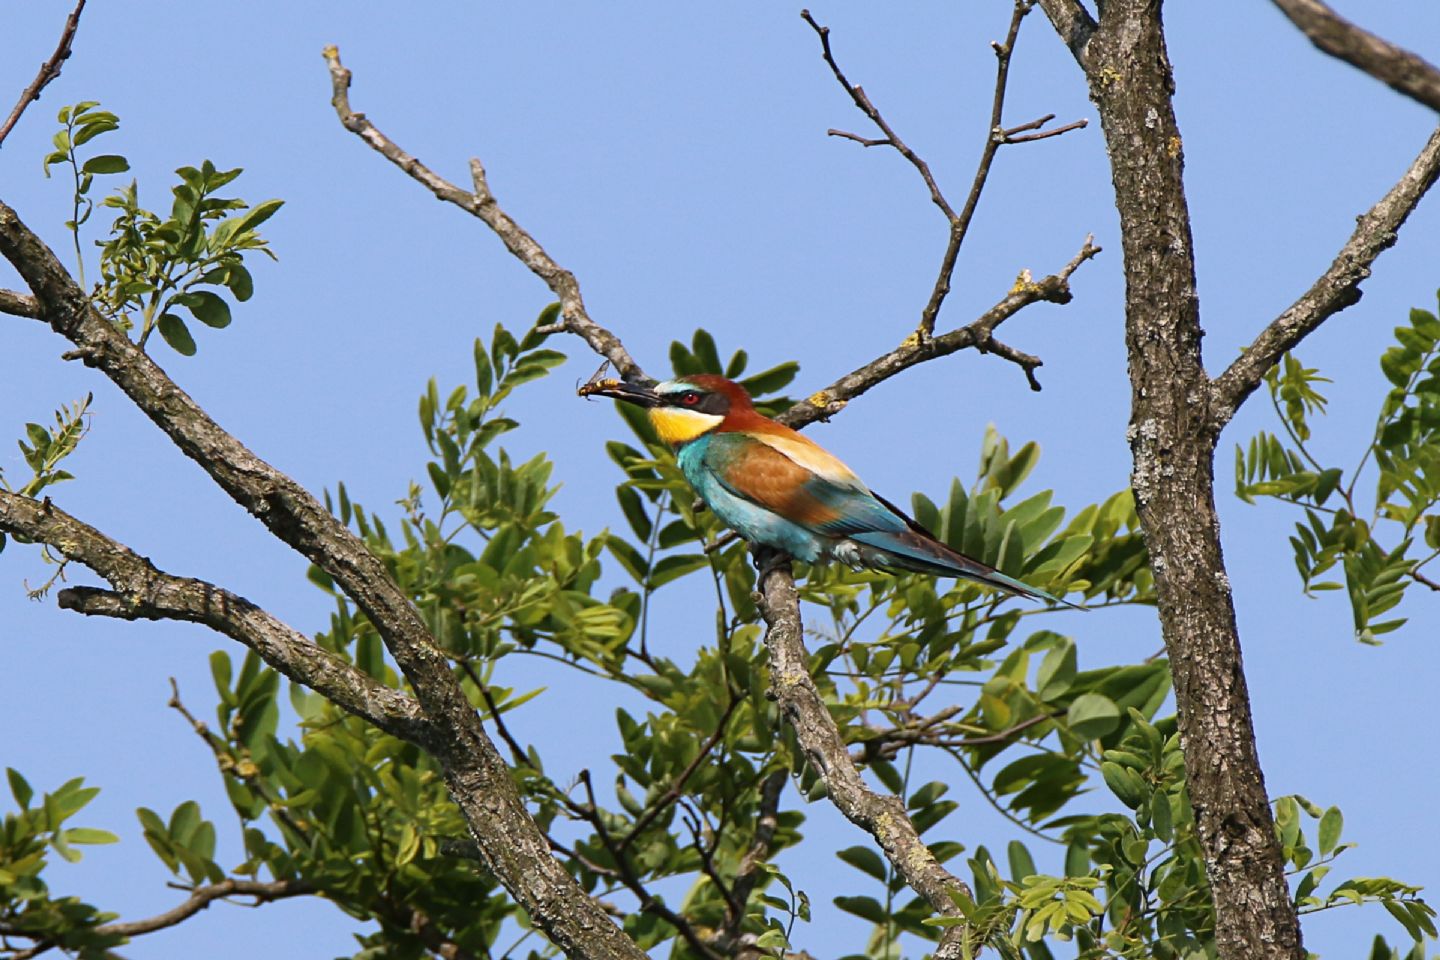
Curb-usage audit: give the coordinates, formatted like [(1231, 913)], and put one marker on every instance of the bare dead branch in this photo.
[(49, 70), (19, 304), (863, 141), (792, 687), (995, 137), (1337, 288), (1396, 67), (143, 592), (481, 203), (862, 101), (979, 333)]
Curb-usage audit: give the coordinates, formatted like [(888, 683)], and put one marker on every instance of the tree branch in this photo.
[(515, 850), (748, 873), (1397, 68), (1074, 25), (673, 792), (1337, 288), (202, 897), (792, 687), (49, 70), (979, 333), (143, 592), (19, 304), (481, 203)]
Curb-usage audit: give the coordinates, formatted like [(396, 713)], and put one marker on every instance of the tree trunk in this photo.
[(1172, 440)]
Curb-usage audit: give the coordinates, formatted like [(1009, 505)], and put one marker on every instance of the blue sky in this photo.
[(674, 156)]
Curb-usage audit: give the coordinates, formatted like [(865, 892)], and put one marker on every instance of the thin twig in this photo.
[(648, 901), (862, 101), (49, 70), (995, 137), (673, 793), (1073, 125)]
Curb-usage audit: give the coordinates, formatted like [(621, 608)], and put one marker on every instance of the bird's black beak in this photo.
[(642, 395)]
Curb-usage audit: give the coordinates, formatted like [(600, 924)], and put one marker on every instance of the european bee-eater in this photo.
[(775, 487)]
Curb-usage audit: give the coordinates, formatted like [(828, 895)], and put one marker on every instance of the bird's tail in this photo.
[(917, 551)]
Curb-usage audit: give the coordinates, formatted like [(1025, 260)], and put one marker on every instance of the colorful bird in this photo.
[(775, 487)]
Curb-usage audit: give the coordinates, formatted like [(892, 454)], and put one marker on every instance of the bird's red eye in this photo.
[(690, 398)]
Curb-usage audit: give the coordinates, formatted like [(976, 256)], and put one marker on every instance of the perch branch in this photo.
[(792, 687), (480, 202), (49, 70), (1397, 68), (1337, 288)]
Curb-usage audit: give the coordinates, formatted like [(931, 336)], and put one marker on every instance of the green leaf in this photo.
[(238, 279), (208, 308), (675, 567), (106, 163), (867, 908), (865, 860), (19, 788), (92, 129), (173, 329), (633, 506), (90, 835), (772, 939), (1092, 715), (484, 371), (256, 215), (1022, 865), (769, 381), (1057, 671), (1331, 823)]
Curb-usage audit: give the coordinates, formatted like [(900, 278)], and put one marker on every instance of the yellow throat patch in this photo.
[(681, 426)]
